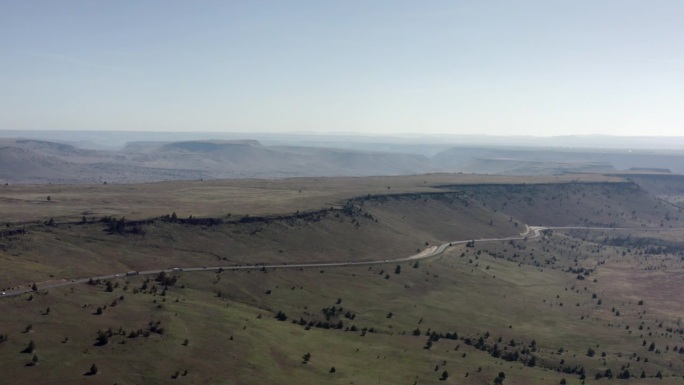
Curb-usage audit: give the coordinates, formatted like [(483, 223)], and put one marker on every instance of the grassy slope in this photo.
[(512, 291), (601, 204), (377, 229), (444, 294), (667, 187)]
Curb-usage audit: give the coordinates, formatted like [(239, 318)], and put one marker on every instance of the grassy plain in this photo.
[(26, 203)]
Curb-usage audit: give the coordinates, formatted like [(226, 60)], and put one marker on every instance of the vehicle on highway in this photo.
[(3, 293), (132, 273), (176, 269)]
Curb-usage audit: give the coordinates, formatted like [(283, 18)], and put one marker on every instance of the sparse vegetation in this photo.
[(568, 305)]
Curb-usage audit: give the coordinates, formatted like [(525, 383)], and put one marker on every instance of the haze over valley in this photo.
[(40, 158)]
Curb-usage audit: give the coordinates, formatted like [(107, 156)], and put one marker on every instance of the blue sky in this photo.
[(383, 67)]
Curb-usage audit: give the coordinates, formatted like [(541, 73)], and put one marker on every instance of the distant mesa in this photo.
[(209, 145), (34, 161), (39, 161), (36, 144), (50, 148), (651, 170)]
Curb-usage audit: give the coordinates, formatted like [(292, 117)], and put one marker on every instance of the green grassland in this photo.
[(531, 309)]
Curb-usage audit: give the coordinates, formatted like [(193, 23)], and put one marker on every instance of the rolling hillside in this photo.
[(570, 307)]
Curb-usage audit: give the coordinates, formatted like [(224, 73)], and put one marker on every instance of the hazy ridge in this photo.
[(148, 160)]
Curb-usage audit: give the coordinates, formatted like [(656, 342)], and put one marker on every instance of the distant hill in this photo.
[(527, 161), (33, 161), (40, 161), (29, 166), (505, 166)]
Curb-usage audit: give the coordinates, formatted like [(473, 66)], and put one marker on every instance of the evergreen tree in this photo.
[(30, 347)]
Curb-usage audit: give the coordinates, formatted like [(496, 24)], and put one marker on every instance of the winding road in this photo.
[(531, 232)]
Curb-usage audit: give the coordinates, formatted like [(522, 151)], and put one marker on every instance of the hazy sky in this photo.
[(460, 67)]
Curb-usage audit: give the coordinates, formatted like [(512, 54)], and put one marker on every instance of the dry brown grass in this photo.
[(25, 203)]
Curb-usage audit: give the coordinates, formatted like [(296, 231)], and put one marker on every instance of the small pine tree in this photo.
[(30, 347), (102, 338), (608, 373), (281, 316), (93, 370), (624, 375), (445, 375), (306, 358)]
